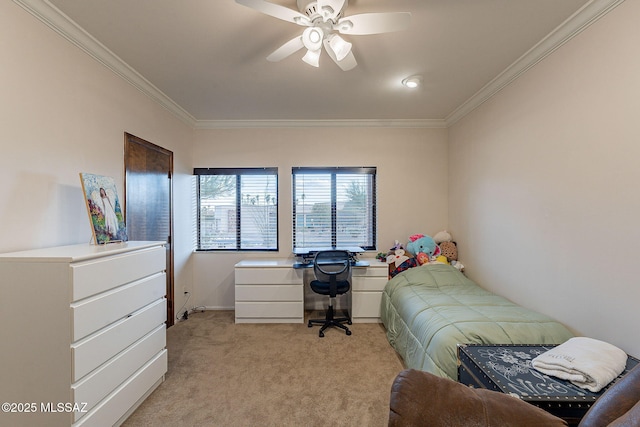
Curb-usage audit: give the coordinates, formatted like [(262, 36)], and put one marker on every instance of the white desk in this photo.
[(272, 291)]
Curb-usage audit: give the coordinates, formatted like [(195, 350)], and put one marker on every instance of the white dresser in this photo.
[(272, 291), (83, 332)]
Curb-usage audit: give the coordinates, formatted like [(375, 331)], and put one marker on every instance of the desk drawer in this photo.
[(92, 352), (92, 277), (97, 312), (269, 293), (368, 283), (366, 304), (370, 272), (269, 309), (268, 276), (104, 380)]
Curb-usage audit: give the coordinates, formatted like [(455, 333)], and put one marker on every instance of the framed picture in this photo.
[(105, 213)]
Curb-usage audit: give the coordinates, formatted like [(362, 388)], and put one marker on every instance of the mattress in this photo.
[(428, 310)]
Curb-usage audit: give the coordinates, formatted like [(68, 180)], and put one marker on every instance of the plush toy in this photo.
[(421, 243), (450, 250), (442, 236), (397, 257), (458, 265), (396, 245), (422, 258), (442, 259)]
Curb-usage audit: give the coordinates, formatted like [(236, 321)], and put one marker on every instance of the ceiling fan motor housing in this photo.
[(311, 9)]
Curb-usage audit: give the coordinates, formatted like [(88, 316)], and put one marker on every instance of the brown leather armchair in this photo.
[(422, 399)]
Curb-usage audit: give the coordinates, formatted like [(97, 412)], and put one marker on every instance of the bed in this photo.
[(428, 310)]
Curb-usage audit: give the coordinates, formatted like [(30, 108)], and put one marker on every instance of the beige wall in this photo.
[(411, 177), (63, 113), (544, 180)]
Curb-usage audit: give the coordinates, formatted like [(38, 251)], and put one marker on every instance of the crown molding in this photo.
[(571, 27), (67, 28), (355, 123)]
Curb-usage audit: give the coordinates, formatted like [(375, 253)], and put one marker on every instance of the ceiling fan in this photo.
[(325, 21)]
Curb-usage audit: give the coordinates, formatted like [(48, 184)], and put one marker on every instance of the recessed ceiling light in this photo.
[(412, 82)]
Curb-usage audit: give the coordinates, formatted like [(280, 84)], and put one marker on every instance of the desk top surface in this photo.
[(312, 250), (291, 263)]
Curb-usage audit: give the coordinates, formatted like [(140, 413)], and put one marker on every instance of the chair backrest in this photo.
[(332, 264)]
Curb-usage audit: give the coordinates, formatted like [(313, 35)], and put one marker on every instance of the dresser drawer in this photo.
[(96, 386), (93, 351), (368, 283), (269, 309), (269, 293), (267, 276), (110, 410), (366, 304), (92, 277), (96, 312)]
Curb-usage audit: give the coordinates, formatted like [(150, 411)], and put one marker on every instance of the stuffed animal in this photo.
[(442, 259), (442, 236), (396, 245), (421, 243), (450, 250), (397, 257), (422, 258), (458, 265)]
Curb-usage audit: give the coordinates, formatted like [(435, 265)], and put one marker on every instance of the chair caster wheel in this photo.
[(349, 332), (349, 322), (321, 334), (309, 325)]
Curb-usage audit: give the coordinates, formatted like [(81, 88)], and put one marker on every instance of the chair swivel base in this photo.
[(329, 321)]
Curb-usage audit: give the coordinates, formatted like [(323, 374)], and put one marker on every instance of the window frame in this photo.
[(334, 171), (238, 173)]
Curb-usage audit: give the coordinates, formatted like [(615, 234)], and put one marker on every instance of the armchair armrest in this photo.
[(419, 398)]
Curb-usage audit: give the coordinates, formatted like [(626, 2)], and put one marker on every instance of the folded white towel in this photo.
[(586, 362)]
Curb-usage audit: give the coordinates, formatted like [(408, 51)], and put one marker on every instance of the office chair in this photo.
[(332, 271)]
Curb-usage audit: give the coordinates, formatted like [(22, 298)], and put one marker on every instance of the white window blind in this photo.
[(334, 207), (237, 208)]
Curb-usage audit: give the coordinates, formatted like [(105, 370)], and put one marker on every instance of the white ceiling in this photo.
[(208, 56)]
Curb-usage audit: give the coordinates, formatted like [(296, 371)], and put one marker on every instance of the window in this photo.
[(334, 207), (237, 209)]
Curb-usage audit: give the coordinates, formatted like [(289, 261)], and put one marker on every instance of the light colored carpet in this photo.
[(223, 374)]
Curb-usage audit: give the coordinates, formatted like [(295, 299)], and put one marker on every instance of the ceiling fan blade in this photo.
[(330, 9), (277, 11), (289, 48), (374, 23), (347, 63)]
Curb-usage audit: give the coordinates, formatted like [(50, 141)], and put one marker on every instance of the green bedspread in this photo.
[(428, 310)]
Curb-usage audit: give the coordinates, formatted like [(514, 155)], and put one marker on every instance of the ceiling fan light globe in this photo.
[(340, 47), (312, 57), (312, 38)]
